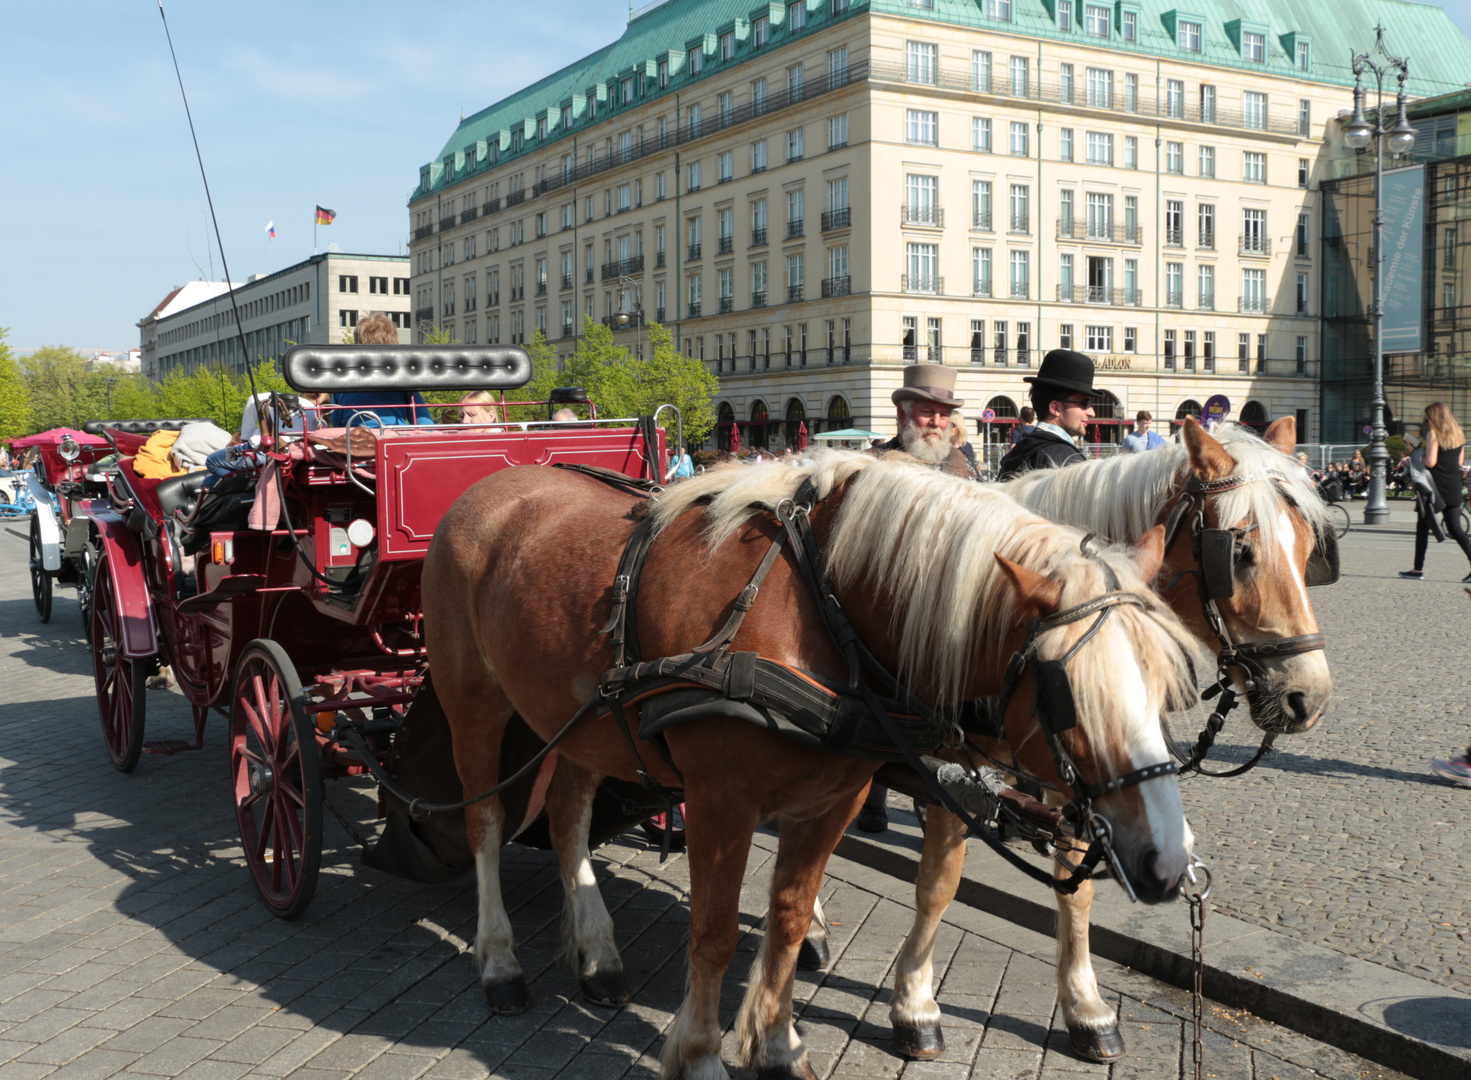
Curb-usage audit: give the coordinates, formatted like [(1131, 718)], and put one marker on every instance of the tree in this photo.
[(668, 377), (545, 377), (62, 391), (15, 399)]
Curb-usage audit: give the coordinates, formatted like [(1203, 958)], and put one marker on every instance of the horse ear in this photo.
[(1035, 594), (1282, 434), (1208, 458), (1149, 553)]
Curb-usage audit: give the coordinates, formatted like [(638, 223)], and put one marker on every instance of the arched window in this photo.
[(1105, 427), (837, 409), (1003, 407), (796, 414), (758, 428), (724, 419), (1189, 407), (1254, 416)]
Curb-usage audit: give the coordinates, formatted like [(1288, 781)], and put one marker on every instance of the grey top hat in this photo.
[(1066, 369), (929, 382)]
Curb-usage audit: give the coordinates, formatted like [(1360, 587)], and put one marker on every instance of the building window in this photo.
[(1253, 290), (1096, 20), (922, 206), (1303, 168), (1302, 358), (1065, 15), (1065, 211), (1020, 141), (1021, 275), (1099, 339), (1065, 83), (794, 144), (694, 173), (1254, 232), (1065, 144), (758, 156), (1131, 152), (725, 165), (1207, 161), (1205, 287), (1261, 354), (1175, 98), (980, 67), (1254, 109), (837, 132), (1187, 36), (794, 82), (760, 32), (1065, 280), (980, 134), (1304, 117), (1100, 88), (1302, 236), (924, 261), (1304, 56), (980, 268), (921, 62), (1175, 158), (1243, 353), (1020, 76), (1131, 92), (697, 60), (796, 16), (1100, 148), (1169, 350), (999, 9), (1174, 223), (347, 283), (980, 199), (1207, 104), (837, 65), (922, 127), (727, 46), (1206, 226), (1302, 294), (1021, 213), (1174, 285), (1253, 47), (346, 317), (1254, 166), (1130, 23)]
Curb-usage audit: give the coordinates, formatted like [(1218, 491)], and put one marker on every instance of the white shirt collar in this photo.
[(1053, 429)]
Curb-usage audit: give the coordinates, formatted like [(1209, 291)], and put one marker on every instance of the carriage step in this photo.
[(169, 746)]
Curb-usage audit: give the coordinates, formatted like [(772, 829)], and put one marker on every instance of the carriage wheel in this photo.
[(277, 779), (86, 582), (121, 684), (40, 579)]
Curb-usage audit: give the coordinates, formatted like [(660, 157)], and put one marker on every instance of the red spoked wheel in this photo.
[(122, 693), (277, 779), (657, 825)]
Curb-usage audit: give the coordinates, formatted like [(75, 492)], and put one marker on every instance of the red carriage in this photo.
[(289, 602)]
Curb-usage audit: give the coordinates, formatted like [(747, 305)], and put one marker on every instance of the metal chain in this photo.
[(1196, 889)]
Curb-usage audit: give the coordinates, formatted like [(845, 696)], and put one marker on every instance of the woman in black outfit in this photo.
[(1445, 448)]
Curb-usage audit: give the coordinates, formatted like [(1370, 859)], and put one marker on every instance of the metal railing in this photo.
[(923, 215), (1255, 244), (694, 252), (424, 314), (1020, 225), (1102, 232), (927, 284), (836, 219), (446, 223), (727, 305), (1174, 237), (758, 298), (725, 245), (423, 231), (794, 293), (981, 288), (1252, 303), (758, 237), (566, 281), (694, 310), (469, 215), (796, 229), (835, 286), (1098, 294), (981, 219)]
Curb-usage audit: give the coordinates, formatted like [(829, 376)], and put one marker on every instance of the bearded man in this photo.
[(925, 403)]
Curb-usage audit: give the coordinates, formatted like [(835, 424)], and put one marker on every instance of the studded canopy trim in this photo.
[(351, 368)]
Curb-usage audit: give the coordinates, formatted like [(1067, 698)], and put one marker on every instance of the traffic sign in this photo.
[(1216, 408), (988, 415)]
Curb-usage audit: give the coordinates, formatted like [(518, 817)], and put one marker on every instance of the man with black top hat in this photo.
[(925, 402), (1062, 394)]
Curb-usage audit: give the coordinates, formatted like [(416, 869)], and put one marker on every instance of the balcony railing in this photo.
[(1207, 302), (927, 284), (1021, 290), (490, 206), (469, 304), (423, 231), (447, 310), (424, 314), (566, 281), (515, 198), (835, 286), (566, 329), (492, 298), (694, 310), (1020, 225), (1252, 303), (981, 287), (758, 237), (1098, 294), (922, 215), (469, 215), (1174, 237), (981, 219), (1255, 244), (518, 292), (1174, 299), (1105, 232), (694, 252), (758, 298), (623, 267), (541, 288), (725, 245), (796, 230), (727, 305), (589, 276), (836, 219), (659, 261), (794, 293), (446, 223), (659, 315)]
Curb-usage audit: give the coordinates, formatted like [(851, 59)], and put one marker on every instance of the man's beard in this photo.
[(931, 445)]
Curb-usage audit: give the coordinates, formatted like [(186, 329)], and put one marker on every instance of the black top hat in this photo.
[(1066, 369)]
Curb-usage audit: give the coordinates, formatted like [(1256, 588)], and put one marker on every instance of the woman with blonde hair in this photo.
[(1445, 451), (479, 407)]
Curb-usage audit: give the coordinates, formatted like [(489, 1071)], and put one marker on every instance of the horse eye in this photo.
[(1245, 555)]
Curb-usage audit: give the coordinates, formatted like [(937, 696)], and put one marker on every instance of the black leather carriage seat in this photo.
[(141, 427), (355, 368), (179, 493)]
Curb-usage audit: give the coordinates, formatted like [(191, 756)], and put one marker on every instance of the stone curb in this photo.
[(1404, 1023)]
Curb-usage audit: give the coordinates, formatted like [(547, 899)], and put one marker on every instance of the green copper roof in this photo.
[(1332, 29)]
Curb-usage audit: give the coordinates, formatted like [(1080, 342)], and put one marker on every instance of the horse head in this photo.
[(1086, 718), (1270, 537)]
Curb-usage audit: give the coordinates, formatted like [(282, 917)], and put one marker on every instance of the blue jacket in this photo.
[(394, 407)]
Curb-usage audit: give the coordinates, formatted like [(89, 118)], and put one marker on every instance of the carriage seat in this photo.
[(180, 493)]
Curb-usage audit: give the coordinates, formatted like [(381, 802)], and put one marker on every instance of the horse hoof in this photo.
[(813, 955), (1090, 1045), (797, 1070), (919, 1042), (508, 996), (606, 988)]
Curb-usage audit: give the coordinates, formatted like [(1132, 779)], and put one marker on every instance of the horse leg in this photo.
[(1091, 1024), (814, 954), (718, 841), (495, 943), (769, 1042), (913, 1013), (588, 949)]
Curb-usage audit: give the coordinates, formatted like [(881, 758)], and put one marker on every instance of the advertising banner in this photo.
[(1403, 259)]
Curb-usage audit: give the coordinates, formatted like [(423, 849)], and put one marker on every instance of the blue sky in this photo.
[(336, 102)]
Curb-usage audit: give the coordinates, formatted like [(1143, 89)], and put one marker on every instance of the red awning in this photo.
[(55, 435)]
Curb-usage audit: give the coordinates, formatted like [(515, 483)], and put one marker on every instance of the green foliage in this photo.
[(670, 377), (63, 393), (438, 336), (15, 398), (544, 379)]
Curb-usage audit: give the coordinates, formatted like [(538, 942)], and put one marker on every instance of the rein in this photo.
[(1213, 552)]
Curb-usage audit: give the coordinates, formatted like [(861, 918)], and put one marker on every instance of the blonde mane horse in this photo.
[(939, 579)]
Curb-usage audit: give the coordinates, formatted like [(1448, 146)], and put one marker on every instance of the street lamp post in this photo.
[(634, 293), (1358, 133)]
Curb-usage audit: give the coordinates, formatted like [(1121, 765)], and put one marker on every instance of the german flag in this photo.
[(326, 217)]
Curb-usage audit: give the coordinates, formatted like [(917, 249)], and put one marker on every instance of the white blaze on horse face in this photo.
[(1287, 537), (1144, 744)]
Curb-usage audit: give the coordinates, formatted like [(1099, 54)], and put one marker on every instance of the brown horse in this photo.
[(940, 579), (1262, 495)]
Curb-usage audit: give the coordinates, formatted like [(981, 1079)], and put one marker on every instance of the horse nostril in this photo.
[(1297, 701)]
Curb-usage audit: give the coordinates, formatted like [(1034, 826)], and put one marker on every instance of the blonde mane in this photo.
[(1123, 497), (923, 543)]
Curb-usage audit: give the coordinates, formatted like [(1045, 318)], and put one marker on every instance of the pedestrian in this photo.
[(1142, 437), (925, 405), (681, 467), (960, 437), (1062, 394), (1444, 451), (1025, 425)]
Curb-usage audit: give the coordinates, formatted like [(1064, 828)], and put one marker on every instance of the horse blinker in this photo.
[(1322, 568), (1217, 562), (1053, 701)]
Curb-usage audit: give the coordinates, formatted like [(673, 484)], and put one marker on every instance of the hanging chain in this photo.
[(1196, 891)]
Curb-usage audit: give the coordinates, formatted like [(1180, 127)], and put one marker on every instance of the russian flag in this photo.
[(271, 230)]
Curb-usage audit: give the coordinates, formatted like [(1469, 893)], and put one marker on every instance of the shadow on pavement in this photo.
[(1442, 1020)]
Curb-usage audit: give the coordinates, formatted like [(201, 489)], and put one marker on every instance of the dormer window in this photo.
[(1065, 15), (663, 73), (727, 46), (999, 9), (1253, 47), (796, 16), (1304, 56), (627, 91), (1130, 23), (697, 60), (1096, 20), (566, 116), (760, 31), (1187, 36), (541, 127)]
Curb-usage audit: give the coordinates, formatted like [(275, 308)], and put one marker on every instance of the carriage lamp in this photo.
[(222, 552), (69, 450), (361, 532), (326, 722)]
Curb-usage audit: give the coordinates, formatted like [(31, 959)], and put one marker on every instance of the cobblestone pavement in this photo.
[(131, 941), (1344, 837)]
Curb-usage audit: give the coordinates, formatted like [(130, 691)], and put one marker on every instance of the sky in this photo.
[(330, 102)]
